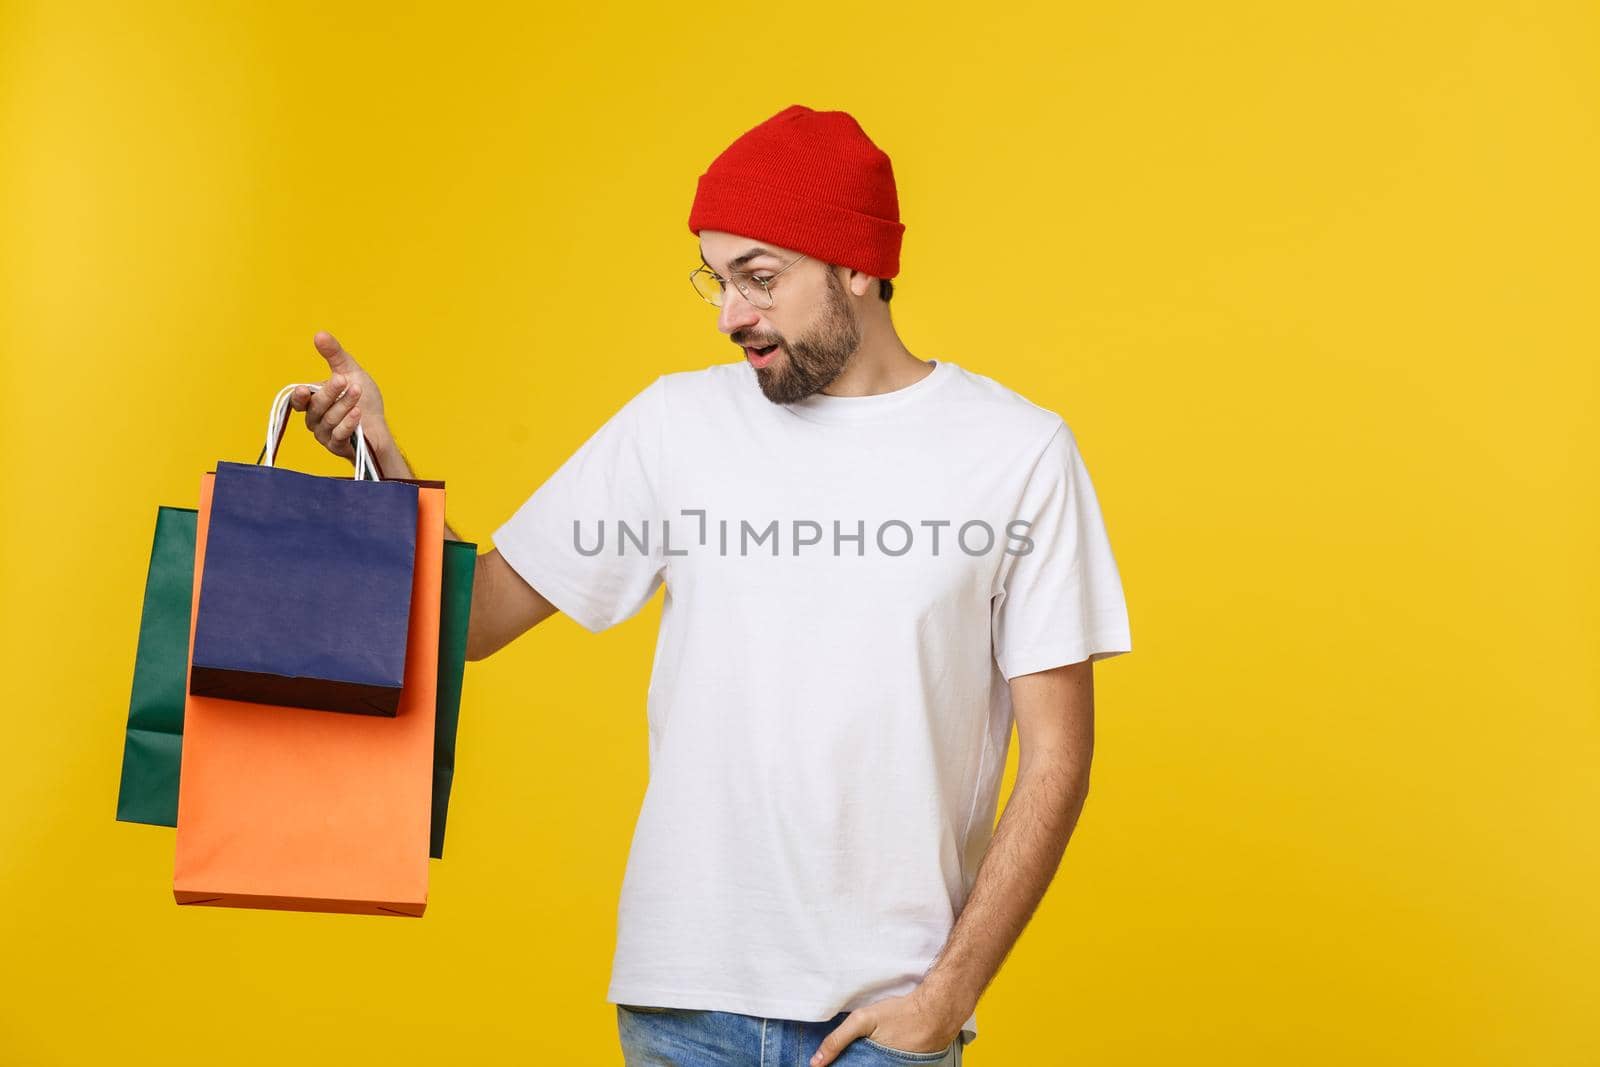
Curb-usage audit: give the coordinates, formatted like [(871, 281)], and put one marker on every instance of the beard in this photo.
[(813, 360)]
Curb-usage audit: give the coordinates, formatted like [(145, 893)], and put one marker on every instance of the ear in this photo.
[(861, 283)]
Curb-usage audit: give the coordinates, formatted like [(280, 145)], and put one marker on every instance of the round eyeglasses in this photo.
[(754, 287)]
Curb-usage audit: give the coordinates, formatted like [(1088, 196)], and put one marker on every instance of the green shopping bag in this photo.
[(150, 755), (455, 610), (152, 752)]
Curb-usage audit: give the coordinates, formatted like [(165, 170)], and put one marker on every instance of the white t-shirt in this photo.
[(846, 598)]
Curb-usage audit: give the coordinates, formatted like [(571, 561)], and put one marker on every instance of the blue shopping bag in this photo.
[(305, 599)]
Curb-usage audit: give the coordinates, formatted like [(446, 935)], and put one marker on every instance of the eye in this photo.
[(763, 278)]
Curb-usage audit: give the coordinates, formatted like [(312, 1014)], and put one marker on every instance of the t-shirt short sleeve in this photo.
[(1061, 599), (583, 539)]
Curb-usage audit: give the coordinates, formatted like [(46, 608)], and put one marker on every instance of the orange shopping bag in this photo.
[(310, 810)]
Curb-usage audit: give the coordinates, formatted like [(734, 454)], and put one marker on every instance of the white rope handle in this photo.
[(365, 468)]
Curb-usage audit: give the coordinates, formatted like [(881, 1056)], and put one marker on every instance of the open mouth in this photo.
[(760, 357)]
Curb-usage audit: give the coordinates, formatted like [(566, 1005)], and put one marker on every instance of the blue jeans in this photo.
[(686, 1037)]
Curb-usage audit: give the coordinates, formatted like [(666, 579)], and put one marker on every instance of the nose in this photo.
[(736, 312)]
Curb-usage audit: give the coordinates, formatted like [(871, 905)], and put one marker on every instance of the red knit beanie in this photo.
[(807, 180)]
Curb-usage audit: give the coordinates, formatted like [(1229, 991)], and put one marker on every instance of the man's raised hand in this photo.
[(348, 398)]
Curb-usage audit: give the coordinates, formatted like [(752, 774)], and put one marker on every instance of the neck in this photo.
[(880, 364)]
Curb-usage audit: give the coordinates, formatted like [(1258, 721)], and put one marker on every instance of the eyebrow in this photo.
[(739, 261)]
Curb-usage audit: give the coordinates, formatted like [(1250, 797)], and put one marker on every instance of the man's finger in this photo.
[(341, 407), (339, 361), (347, 426), (323, 399), (300, 398), (855, 1025)]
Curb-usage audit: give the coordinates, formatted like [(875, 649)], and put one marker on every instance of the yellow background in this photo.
[(1314, 285)]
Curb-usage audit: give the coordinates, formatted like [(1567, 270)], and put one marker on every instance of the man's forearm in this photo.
[(394, 465), (1017, 868)]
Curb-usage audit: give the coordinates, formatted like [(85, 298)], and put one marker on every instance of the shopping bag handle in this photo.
[(277, 420)]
